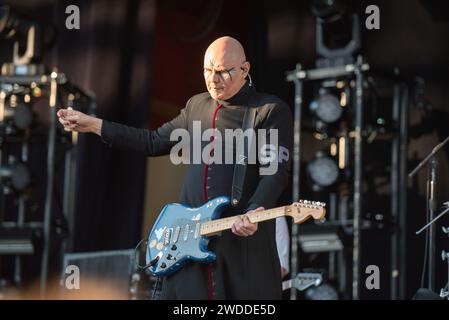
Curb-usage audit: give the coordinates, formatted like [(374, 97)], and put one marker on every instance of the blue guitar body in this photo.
[(175, 237)]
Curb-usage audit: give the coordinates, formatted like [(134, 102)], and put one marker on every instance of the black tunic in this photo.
[(246, 267)]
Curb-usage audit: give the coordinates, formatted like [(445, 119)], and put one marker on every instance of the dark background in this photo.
[(134, 54)]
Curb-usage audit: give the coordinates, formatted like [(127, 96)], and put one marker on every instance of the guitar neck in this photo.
[(212, 227)]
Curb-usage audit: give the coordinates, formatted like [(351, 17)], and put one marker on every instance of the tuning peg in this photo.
[(445, 230)]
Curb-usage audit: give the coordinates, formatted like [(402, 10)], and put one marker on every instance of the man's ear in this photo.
[(246, 66)]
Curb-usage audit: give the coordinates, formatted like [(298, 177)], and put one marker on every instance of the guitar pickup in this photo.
[(176, 234), (167, 235), (186, 234), (197, 230)]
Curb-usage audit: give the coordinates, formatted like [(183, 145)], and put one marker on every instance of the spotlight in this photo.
[(329, 10), (18, 241), (337, 32), (323, 292), (326, 107), (11, 25), (15, 113), (30, 39), (16, 175), (323, 171), (322, 238)]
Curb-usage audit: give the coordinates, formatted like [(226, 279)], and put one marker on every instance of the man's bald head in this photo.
[(224, 50), (225, 68)]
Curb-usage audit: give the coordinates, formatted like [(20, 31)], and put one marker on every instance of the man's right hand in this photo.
[(77, 121)]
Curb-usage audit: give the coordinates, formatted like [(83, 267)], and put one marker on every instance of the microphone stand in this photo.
[(431, 205)]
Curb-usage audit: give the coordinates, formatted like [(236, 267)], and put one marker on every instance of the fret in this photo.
[(260, 216), (218, 225)]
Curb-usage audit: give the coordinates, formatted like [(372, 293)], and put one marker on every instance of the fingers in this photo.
[(65, 122), (68, 118), (247, 225), (243, 227), (65, 112), (68, 125), (61, 113), (239, 229), (72, 117), (68, 114)]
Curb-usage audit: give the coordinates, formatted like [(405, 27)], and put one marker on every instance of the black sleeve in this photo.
[(271, 186), (151, 142)]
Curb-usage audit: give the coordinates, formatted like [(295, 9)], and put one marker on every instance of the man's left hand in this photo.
[(243, 227)]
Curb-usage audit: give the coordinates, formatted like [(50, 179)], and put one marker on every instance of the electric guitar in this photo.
[(303, 281), (181, 234)]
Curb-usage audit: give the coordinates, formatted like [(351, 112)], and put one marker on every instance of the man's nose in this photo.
[(215, 77)]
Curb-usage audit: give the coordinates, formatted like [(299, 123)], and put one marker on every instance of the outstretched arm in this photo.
[(151, 142), (77, 121)]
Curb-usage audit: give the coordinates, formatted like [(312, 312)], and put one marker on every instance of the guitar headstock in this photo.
[(306, 280), (304, 209)]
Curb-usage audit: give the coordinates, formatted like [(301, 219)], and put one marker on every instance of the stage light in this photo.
[(8, 22), (322, 292), (337, 32), (323, 171), (326, 107), (30, 37), (15, 175), (15, 112), (17, 241), (329, 10)]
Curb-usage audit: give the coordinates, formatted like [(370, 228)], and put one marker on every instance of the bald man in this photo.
[(247, 264)]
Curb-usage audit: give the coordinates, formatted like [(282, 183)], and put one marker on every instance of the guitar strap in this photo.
[(242, 159)]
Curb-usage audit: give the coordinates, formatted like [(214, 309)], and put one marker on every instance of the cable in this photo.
[(425, 248), (136, 253), (144, 267), (155, 288)]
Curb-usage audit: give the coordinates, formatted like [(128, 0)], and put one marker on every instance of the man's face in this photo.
[(223, 77)]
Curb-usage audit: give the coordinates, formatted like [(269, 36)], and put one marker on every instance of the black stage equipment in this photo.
[(432, 163)]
